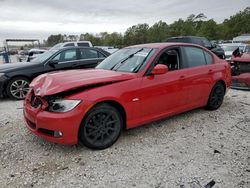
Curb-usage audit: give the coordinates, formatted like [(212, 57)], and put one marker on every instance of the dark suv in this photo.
[(200, 41), (15, 77)]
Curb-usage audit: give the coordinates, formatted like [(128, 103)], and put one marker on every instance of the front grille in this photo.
[(35, 102)]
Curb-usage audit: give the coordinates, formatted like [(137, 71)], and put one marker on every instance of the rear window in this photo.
[(197, 41), (83, 44), (185, 40), (209, 58), (195, 56), (69, 44)]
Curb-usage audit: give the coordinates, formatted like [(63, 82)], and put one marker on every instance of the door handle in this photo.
[(182, 77), (210, 71)]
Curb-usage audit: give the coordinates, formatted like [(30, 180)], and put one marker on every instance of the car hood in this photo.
[(227, 53), (58, 82), (245, 57), (15, 66)]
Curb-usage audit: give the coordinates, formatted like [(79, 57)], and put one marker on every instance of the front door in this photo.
[(66, 59), (165, 94)]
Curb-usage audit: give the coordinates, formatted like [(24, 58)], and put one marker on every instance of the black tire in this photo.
[(17, 88), (216, 97), (101, 127)]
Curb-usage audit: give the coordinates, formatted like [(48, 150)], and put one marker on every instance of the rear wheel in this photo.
[(18, 88), (101, 127), (216, 97)]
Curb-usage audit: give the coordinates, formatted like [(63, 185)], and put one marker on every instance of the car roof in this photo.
[(233, 44), (37, 50), (163, 45), (83, 47), (179, 37)]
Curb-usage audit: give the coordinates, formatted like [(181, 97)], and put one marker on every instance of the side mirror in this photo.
[(53, 62), (159, 69)]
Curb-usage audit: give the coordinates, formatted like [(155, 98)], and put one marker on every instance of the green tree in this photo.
[(55, 39), (136, 34), (237, 24), (158, 32), (209, 29)]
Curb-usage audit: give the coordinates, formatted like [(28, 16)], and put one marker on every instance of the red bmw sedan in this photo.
[(134, 86)]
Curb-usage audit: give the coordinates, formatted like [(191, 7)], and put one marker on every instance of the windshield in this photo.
[(127, 59), (43, 57), (57, 46)]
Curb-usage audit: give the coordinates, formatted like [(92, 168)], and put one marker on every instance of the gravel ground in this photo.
[(187, 150)]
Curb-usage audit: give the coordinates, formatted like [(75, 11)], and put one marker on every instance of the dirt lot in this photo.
[(188, 150)]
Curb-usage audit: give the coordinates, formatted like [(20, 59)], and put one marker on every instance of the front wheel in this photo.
[(18, 88), (216, 97), (101, 127)]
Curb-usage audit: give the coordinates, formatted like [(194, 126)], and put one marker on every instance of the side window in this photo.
[(195, 56), (209, 58), (67, 55), (171, 58), (247, 49), (57, 58), (88, 54), (69, 44)]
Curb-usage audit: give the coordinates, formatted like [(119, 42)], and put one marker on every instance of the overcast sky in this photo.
[(40, 18)]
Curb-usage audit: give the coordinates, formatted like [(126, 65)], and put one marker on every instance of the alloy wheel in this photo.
[(19, 89), (101, 127)]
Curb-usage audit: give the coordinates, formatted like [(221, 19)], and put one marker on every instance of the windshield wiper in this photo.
[(125, 59), (137, 68)]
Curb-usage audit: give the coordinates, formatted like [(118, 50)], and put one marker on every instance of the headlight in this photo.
[(61, 105)]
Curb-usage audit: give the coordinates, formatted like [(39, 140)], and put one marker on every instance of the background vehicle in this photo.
[(109, 49), (200, 41), (33, 53), (241, 81), (133, 86), (240, 70), (229, 48), (22, 55), (15, 77), (71, 44)]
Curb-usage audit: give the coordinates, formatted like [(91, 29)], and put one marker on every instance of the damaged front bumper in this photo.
[(241, 81), (60, 128)]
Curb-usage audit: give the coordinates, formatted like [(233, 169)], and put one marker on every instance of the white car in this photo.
[(109, 49), (69, 44), (33, 53), (230, 47)]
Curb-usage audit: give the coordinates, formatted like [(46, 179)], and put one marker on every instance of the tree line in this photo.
[(195, 25)]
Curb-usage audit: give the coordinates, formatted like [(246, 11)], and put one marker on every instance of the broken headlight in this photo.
[(62, 105)]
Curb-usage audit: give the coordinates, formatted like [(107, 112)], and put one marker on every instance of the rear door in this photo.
[(89, 58), (200, 74)]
